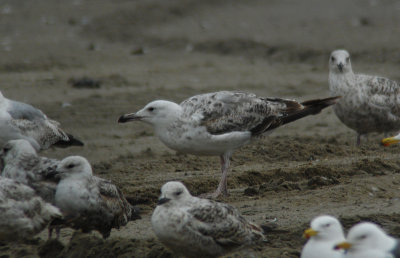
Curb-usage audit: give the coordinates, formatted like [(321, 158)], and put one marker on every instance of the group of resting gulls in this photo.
[(38, 192)]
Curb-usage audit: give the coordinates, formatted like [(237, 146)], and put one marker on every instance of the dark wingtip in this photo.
[(322, 102), (72, 141), (121, 119)]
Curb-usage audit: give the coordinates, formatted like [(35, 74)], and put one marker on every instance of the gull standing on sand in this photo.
[(369, 103), (88, 202), (324, 233), (21, 163), (365, 237), (22, 121), (22, 213), (221, 122), (195, 227)]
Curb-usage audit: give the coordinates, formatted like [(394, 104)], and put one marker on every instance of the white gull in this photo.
[(365, 237), (324, 233)]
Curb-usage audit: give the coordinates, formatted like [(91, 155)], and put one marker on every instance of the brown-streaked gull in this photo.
[(22, 121), (219, 123), (369, 103), (196, 227), (22, 213), (88, 202), (21, 163)]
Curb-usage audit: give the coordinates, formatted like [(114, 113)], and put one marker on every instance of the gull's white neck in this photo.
[(341, 83), (164, 121)]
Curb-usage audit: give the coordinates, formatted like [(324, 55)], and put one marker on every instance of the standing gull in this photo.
[(22, 213), (368, 236), (195, 227), (21, 163), (324, 233), (88, 202), (22, 121), (218, 123), (369, 103)]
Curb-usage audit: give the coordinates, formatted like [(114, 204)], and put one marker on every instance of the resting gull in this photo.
[(21, 163), (324, 233), (218, 123), (367, 236), (22, 121), (88, 202), (195, 227), (369, 103), (22, 213)]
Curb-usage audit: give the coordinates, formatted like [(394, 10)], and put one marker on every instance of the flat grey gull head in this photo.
[(21, 163), (89, 202), (218, 123), (195, 227), (324, 233), (369, 103), (23, 121), (23, 214), (366, 236)]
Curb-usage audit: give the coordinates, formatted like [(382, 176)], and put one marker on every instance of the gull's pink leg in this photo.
[(223, 183)]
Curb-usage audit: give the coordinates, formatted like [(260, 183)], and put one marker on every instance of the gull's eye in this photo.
[(327, 225), (347, 59), (362, 237), (6, 148), (71, 166), (332, 59), (151, 109), (178, 192)]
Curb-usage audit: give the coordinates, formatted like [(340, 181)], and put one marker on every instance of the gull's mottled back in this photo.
[(88, 202), (23, 121), (21, 163), (195, 227), (369, 103), (22, 213), (219, 123)]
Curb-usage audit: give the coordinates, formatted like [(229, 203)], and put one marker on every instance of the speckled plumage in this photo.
[(369, 103), (219, 123), (22, 121), (21, 163), (88, 202), (195, 227), (22, 213)]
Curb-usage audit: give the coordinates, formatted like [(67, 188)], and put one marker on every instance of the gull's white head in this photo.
[(14, 149), (366, 235), (76, 166), (173, 193), (325, 228), (339, 62), (155, 113)]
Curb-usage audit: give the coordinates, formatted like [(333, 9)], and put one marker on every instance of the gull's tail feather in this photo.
[(293, 112), (310, 107)]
